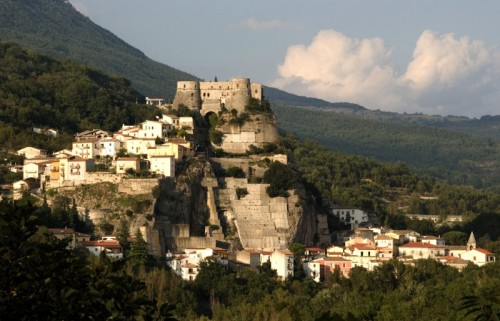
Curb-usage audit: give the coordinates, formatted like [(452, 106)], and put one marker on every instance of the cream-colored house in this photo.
[(350, 215), (111, 248), (109, 146), (479, 256), (86, 148), (32, 152), (250, 257), (167, 149), (162, 165), (77, 238), (36, 170), (139, 146), (153, 129), (419, 250), (282, 262), (77, 168), (124, 163)]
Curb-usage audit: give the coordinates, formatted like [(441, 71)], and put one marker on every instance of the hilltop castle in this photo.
[(213, 96)]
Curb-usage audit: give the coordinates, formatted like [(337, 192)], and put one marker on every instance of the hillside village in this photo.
[(266, 226)]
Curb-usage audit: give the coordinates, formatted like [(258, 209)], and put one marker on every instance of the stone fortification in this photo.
[(214, 96), (261, 222), (138, 186), (258, 130)]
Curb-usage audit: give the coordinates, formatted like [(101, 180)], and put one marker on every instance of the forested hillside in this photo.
[(454, 156), (37, 91), (54, 27)]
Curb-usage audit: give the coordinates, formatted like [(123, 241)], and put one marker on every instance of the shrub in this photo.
[(235, 171), (241, 192), (281, 179)]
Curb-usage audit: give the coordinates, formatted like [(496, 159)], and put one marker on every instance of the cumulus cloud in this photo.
[(254, 24), (446, 75)]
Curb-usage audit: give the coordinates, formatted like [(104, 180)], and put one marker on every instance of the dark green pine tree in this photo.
[(139, 250)]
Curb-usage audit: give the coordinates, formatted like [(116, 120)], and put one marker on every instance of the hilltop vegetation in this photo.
[(54, 27), (457, 157), (37, 91)]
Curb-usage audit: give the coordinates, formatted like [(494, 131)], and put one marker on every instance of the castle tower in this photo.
[(471, 243), (188, 94), (241, 93)]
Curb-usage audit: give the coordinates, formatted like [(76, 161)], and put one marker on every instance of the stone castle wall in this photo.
[(212, 96), (138, 186)]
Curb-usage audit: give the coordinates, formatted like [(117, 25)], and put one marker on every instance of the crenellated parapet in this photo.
[(214, 96)]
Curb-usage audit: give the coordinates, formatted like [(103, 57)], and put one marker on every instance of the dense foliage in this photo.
[(390, 190), (54, 27), (457, 157), (42, 279), (37, 91)]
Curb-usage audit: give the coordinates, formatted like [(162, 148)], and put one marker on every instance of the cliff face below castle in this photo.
[(244, 130), (200, 209)]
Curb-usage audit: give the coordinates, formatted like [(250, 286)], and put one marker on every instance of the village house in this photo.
[(282, 262), (77, 168), (167, 149), (403, 236), (162, 165), (109, 146), (350, 215), (186, 263), (386, 247), (111, 248), (36, 170), (86, 148), (32, 152), (139, 146), (125, 163), (91, 134), (250, 257), (312, 269), (419, 250), (153, 129), (76, 238)]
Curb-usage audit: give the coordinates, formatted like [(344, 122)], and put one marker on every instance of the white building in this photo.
[(282, 262), (109, 146), (111, 248), (31, 152), (350, 215), (139, 146), (163, 165), (419, 250), (153, 129)]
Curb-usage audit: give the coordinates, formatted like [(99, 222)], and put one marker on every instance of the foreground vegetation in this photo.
[(43, 280)]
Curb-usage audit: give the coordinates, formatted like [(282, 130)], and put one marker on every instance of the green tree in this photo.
[(281, 179), (138, 250)]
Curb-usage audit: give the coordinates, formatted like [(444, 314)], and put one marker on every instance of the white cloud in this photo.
[(254, 24), (446, 76)]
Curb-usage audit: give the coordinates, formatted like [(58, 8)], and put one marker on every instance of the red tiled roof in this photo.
[(66, 230), (106, 244), (483, 251), (421, 245), (362, 247), (314, 249)]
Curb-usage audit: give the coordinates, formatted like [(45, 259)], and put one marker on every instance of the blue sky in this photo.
[(435, 57)]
